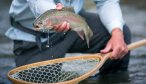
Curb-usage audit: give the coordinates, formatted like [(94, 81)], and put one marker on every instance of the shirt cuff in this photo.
[(113, 25)]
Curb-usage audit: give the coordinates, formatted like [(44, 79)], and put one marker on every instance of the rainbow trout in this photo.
[(47, 20)]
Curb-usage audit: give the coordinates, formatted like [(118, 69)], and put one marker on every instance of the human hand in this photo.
[(116, 44), (64, 26)]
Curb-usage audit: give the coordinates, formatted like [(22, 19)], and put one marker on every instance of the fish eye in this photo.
[(40, 23)]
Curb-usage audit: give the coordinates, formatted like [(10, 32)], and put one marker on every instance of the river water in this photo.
[(134, 12)]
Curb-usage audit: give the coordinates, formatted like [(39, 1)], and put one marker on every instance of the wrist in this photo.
[(117, 32)]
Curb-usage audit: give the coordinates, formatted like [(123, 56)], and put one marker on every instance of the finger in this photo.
[(124, 52), (67, 27), (106, 49), (121, 53), (59, 6), (115, 53), (63, 27), (56, 27)]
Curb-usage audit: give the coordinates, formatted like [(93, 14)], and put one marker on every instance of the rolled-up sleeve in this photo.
[(110, 14), (40, 6)]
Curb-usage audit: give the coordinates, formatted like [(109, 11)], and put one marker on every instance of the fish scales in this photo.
[(47, 20)]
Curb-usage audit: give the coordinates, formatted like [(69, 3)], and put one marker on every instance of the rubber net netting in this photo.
[(55, 73)]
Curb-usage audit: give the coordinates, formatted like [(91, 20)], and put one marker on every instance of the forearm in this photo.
[(110, 14)]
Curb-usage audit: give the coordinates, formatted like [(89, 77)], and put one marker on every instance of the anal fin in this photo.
[(81, 34)]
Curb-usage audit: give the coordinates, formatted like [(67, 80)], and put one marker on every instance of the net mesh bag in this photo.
[(55, 72)]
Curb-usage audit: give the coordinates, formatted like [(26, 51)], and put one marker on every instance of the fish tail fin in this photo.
[(88, 35), (87, 41)]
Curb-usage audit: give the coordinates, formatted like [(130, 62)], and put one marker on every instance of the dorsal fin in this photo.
[(68, 8)]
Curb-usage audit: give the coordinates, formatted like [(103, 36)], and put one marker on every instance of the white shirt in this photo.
[(25, 11)]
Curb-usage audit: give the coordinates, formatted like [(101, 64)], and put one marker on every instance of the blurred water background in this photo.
[(134, 13)]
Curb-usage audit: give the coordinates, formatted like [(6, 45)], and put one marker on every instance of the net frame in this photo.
[(59, 60)]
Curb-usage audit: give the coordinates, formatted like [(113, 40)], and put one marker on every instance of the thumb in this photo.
[(106, 49), (59, 6)]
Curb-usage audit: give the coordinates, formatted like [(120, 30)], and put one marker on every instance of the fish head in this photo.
[(42, 25), (38, 25)]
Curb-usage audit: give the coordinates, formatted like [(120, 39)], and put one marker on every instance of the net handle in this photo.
[(130, 47), (137, 44)]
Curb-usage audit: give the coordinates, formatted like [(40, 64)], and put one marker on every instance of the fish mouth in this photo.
[(37, 28)]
